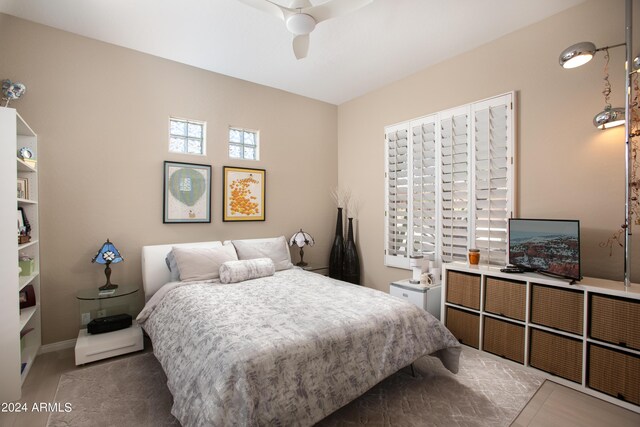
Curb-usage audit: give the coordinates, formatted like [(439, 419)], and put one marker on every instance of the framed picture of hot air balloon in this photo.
[(244, 194), (187, 193)]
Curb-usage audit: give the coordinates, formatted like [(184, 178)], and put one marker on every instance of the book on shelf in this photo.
[(30, 162)]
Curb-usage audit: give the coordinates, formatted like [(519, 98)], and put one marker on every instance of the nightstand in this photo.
[(317, 269), (93, 304), (427, 298)]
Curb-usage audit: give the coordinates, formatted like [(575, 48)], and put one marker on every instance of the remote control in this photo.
[(512, 270)]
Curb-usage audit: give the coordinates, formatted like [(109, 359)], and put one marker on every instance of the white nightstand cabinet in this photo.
[(427, 298)]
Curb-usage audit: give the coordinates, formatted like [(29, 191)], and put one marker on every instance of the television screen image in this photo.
[(547, 246)]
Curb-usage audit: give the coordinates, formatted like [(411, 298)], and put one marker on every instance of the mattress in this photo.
[(287, 349)]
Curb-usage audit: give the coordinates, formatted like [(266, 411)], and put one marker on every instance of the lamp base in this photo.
[(301, 264), (108, 286)]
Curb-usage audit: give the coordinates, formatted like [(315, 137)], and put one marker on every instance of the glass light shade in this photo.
[(301, 239), (609, 117), (577, 54), (108, 254)]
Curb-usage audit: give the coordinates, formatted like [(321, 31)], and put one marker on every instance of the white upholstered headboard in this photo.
[(155, 272)]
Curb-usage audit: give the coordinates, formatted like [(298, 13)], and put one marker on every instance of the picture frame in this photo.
[(243, 194), (187, 193), (21, 221), (23, 188), (27, 297)]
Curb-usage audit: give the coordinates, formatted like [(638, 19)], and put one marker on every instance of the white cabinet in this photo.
[(584, 336), (90, 348), (425, 297), (16, 355)]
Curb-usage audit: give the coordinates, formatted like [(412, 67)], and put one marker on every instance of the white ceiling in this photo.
[(348, 56)]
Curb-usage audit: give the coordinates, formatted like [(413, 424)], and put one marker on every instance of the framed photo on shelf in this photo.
[(187, 193), (23, 188), (27, 297), (243, 194), (21, 222)]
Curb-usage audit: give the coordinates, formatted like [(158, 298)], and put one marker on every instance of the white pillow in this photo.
[(247, 269), (275, 248), (202, 263), (171, 260)]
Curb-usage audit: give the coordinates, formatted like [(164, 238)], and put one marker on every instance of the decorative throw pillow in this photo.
[(275, 248), (202, 263), (172, 265), (170, 259), (239, 271)]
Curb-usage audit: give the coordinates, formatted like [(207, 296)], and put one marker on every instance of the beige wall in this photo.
[(566, 168), (101, 113)]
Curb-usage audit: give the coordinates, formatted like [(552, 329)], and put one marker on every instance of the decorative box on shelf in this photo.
[(22, 239), (26, 266)]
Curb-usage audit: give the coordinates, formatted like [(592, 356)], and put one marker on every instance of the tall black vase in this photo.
[(337, 250), (351, 263)]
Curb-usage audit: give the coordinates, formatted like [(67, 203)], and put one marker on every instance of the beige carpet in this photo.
[(486, 392)]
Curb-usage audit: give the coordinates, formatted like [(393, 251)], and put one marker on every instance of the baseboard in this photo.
[(60, 345)]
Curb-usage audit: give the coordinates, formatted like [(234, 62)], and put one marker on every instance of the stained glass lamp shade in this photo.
[(301, 239), (108, 254)]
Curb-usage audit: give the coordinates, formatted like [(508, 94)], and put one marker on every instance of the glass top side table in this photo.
[(96, 294)]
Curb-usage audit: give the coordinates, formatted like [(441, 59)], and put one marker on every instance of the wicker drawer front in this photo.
[(463, 289), (503, 339), (557, 308), (615, 320), (556, 354), (505, 297), (615, 373), (464, 326)]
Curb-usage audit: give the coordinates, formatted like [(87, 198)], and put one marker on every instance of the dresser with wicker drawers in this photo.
[(585, 336)]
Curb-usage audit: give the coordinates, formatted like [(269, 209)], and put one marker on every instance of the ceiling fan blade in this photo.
[(334, 8), (301, 46), (300, 4), (269, 7)]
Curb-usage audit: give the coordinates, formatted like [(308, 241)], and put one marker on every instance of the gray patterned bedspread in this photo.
[(284, 350)]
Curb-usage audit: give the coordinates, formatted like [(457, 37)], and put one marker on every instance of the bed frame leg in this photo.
[(413, 372)]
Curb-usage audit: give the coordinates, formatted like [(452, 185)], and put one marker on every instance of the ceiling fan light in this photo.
[(300, 24), (609, 117), (577, 55)]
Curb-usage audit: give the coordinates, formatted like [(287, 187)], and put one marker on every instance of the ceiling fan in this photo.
[(301, 17)]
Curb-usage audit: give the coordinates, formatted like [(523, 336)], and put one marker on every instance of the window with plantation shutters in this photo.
[(493, 180), (449, 184), (423, 194), (397, 178), (454, 184)]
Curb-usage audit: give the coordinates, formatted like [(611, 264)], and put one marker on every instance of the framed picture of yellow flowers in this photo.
[(244, 194)]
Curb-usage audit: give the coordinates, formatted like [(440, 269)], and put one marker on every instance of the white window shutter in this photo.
[(454, 184), (493, 176), (449, 181), (424, 195), (397, 179)]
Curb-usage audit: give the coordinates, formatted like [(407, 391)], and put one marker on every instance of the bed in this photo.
[(285, 349)]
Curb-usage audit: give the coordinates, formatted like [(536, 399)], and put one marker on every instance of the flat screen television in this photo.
[(548, 246)]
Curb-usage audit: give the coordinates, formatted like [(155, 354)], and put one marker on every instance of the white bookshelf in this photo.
[(15, 134)]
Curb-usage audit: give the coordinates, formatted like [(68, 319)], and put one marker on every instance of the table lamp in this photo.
[(108, 254), (301, 239)]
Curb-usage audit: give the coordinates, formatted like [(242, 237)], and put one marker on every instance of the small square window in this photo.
[(187, 136), (243, 144)]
